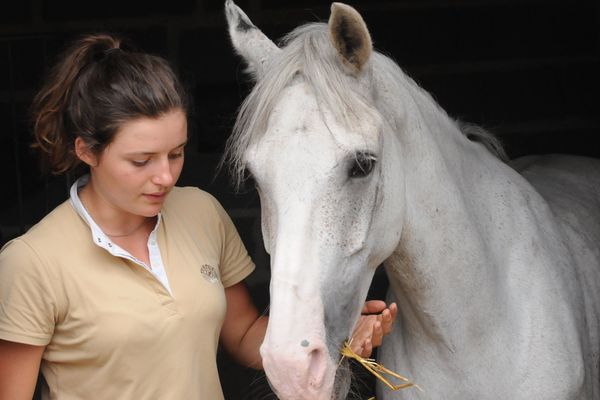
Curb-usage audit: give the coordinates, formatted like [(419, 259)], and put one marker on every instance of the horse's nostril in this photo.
[(316, 369)]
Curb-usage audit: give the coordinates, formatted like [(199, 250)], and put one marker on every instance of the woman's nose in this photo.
[(163, 175)]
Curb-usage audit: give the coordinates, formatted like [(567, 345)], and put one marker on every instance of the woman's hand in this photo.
[(375, 322)]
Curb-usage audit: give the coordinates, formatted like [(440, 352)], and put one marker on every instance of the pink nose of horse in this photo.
[(298, 371)]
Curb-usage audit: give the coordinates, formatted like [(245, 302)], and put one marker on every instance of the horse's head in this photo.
[(313, 140)]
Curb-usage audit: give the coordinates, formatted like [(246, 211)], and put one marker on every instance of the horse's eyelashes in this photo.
[(362, 165)]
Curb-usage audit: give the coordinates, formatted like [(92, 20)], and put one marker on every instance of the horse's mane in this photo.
[(307, 53)]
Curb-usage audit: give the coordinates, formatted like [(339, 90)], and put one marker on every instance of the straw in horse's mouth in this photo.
[(376, 369)]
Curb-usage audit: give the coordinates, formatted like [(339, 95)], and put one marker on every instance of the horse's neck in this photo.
[(463, 206)]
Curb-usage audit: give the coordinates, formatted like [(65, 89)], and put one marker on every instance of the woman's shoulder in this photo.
[(191, 199), (59, 230), (194, 206), (188, 193)]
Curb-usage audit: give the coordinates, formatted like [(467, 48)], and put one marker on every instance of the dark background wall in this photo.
[(525, 69)]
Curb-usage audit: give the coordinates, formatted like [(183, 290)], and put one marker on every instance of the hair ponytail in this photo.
[(51, 136)]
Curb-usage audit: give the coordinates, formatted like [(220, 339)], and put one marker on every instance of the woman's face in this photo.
[(137, 170)]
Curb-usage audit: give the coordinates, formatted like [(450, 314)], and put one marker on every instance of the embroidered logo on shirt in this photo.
[(209, 273)]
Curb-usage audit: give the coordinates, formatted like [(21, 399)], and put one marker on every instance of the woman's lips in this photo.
[(156, 196)]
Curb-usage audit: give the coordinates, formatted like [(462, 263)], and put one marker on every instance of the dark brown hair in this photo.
[(99, 83)]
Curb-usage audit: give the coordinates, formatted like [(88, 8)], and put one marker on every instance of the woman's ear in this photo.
[(84, 153)]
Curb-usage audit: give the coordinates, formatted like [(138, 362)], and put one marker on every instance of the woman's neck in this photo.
[(113, 222)]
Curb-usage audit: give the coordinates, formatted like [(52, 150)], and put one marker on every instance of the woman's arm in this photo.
[(244, 328), (19, 367)]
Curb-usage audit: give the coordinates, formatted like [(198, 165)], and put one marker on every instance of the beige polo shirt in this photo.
[(111, 329)]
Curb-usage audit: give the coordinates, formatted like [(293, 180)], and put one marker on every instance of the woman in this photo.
[(125, 290)]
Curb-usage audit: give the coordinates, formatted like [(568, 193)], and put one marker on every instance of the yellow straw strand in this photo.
[(376, 369)]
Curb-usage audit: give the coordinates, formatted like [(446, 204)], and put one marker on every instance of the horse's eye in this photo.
[(362, 165)]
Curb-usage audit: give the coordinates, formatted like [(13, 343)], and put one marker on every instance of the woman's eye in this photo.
[(362, 165), (175, 156), (139, 163)]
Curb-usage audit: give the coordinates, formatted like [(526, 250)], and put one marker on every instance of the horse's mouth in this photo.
[(341, 384)]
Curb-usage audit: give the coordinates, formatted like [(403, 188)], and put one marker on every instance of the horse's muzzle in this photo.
[(298, 372)]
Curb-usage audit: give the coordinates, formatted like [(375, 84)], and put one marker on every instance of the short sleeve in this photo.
[(235, 264), (28, 309)]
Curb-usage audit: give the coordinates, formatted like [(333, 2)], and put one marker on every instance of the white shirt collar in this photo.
[(156, 266), (99, 237)]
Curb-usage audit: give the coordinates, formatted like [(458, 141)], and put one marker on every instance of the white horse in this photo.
[(495, 267)]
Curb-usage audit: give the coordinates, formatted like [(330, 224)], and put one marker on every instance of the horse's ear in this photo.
[(248, 40), (350, 36)]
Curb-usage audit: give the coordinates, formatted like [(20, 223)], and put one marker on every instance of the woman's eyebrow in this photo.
[(149, 153)]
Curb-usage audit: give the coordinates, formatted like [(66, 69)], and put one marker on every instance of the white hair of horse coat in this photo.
[(496, 272)]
